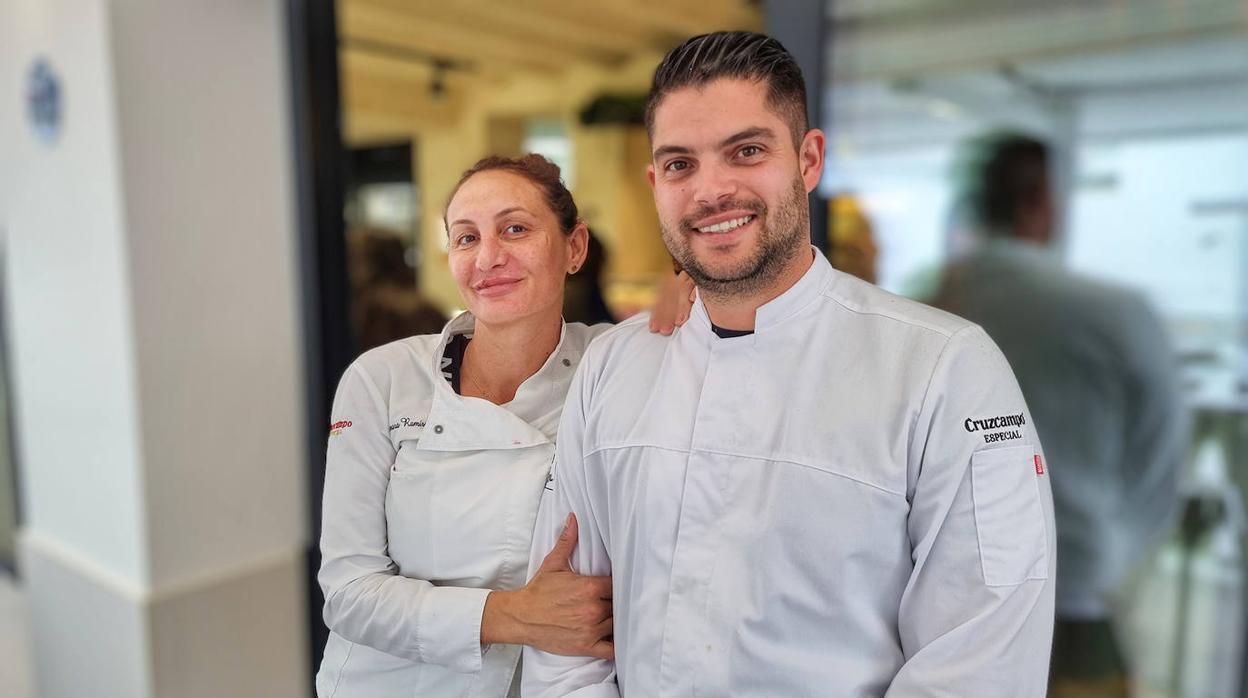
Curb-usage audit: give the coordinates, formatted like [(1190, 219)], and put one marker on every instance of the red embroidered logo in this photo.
[(337, 427), (1039, 465)]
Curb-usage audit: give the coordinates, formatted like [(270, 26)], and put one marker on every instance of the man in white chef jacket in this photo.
[(814, 487)]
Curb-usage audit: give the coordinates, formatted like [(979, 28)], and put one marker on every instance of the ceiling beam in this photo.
[(397, 92), (659, 24), (359, 19), (518, 23), (686, 18)]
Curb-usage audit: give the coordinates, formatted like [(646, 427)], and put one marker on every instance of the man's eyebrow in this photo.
[(756, 133), (665, 150)]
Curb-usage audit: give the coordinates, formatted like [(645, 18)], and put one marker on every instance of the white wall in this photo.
[(152, 291), (1216, 106), (68, 291), (207, 168)]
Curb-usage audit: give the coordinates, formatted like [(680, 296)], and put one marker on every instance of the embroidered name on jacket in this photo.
[(406, 422), (1003, 422)]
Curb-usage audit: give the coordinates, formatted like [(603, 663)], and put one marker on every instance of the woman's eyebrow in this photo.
[(508, 211), (500, 214)]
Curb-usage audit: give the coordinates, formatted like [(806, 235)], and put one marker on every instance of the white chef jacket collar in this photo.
[(779, 309), (459, 423)]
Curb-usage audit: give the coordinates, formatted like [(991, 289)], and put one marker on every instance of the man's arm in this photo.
[(548, 674), (976, 618)]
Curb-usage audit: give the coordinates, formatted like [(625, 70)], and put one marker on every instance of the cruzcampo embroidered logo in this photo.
[(338, 427), (1002, 428)]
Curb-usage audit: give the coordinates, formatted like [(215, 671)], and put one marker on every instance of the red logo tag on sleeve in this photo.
[(337, 427), (1039, 464)]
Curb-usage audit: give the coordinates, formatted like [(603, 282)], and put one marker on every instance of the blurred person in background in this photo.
[(584, 301), (385, 304), (1095, 366), (853, 249), (439, 449)]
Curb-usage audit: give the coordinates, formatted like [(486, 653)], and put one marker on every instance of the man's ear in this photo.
[(810, 155), (650, 175)]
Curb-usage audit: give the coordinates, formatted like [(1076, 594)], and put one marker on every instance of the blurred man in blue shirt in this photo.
[(1096, 369)]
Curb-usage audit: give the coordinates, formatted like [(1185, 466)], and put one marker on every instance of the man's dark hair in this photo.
[(740, 55), (1008, 172)]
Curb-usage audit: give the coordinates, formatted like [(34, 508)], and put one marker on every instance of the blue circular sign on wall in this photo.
[(44, 101)]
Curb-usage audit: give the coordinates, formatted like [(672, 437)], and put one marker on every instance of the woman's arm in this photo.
[(368, 602)]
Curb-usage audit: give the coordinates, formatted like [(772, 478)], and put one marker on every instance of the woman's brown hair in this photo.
[(538, 170)]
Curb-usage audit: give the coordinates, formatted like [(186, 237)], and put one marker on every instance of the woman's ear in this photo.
[(578, 247)]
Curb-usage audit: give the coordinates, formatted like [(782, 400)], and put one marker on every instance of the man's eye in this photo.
[(750, 151), (677, 166)]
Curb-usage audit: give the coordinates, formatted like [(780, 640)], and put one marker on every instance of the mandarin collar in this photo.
[(776, 311), (534, 396)]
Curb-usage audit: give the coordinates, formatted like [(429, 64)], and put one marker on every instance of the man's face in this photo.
[(729, 185)]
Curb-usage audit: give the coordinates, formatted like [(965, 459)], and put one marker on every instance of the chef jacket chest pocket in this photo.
[(439, 513), (406, 438), (1009, 518)]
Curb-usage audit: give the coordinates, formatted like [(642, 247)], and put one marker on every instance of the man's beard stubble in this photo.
[(785, 231)]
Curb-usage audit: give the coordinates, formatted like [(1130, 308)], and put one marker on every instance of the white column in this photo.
[(150, 260)]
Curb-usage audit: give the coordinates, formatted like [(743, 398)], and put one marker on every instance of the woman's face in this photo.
[(507, 254)]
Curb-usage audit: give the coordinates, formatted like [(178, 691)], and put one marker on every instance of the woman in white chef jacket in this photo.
[(438, 453)]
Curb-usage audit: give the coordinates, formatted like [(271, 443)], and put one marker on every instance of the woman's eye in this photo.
[(514, 229), (465, 239)]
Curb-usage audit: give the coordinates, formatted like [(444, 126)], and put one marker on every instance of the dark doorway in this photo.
[(319, 166)]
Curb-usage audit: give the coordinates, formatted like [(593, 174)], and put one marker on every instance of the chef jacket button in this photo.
[(567, 362), (437, 428)]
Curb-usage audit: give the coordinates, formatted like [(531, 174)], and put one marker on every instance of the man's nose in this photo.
[(714, 185)]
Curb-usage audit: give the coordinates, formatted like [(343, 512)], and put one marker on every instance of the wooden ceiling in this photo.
[(413, 60), (536, 35)]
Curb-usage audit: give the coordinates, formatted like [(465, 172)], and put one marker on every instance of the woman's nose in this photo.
[(490, 253)]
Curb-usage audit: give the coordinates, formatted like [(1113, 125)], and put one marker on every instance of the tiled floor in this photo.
[(15, 679)]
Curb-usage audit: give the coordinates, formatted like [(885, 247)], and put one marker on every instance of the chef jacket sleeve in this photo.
[(567, 492), (366, 600), (1156, 431), (976, 616)]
